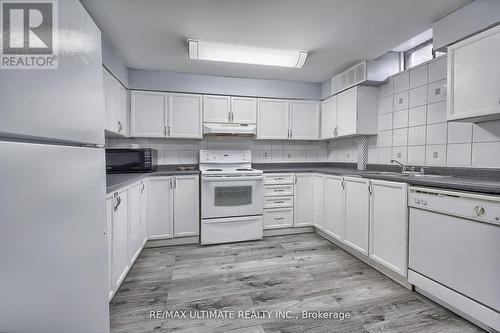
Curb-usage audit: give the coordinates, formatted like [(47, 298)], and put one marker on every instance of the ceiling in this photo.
[(151, 35)]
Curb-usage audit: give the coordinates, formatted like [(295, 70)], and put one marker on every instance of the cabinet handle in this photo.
[(175, 182), (168, 130), (118, 201), (370, 188), (295, 179), (120, 127), (343, 184), (143, 187), (279, 218), (479, 211), (165, 130), (279, 202), (291, 133)]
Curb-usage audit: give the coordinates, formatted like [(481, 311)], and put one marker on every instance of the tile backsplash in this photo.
[(412, 126)]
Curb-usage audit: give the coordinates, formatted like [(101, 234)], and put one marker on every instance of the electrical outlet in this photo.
[(266, 156), (435, 154)]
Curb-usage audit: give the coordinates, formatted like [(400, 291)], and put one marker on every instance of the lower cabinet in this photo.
[(134, 230), (357, 210), (303, 201), (389, 225), (334, 206), (174, 206), (279, 195), (278, 218), (119, 234), (318, 200)]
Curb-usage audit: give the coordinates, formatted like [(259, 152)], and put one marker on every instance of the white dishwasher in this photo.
[(454, 251)]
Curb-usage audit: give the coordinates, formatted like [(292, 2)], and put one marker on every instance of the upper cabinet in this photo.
[(216, 109), (115, 101), (273, 119), (244, 110), (184, 116), (329, 118), (304, 120), (283, 119), (474, 77), (357, 111), (229, 109), (157, 114)]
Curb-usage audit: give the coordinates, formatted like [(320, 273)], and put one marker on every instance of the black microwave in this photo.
[(131, 160)]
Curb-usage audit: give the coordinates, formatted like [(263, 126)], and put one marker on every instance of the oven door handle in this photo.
[(230, 179)]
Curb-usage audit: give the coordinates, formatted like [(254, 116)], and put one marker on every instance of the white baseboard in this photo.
[(173, 241), (287, 231)]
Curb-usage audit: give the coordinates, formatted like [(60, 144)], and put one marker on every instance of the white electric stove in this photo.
[(231, 197)]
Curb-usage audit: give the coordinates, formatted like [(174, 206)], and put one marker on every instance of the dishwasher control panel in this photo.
[(480, 207)]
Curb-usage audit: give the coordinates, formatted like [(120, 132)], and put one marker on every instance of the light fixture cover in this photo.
[(199, 50)]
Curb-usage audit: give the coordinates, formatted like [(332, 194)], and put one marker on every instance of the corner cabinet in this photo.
[(474, 78), (172, 115), (174, 206), (303, 200), (279, 119), (318, 199), (389, 225), (351, 112)]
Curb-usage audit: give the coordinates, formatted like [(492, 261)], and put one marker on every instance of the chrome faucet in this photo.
[(407, 169)]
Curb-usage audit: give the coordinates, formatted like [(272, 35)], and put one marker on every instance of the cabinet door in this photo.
[(244, 110), (347, 106), (303, 200), (122, 108), (160, 208), (474, 77), (186, 206), (147, 114), (109, 231), (144, 211), (185, 116), (319, 201), (356, 211), (334, 206), (389, 225), (134, 221), (273, 119), (119, 265), (329, 118), (109, 101), (216, 109), (304, 120)]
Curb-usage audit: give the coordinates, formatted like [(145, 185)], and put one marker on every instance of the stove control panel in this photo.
[(225, 156)]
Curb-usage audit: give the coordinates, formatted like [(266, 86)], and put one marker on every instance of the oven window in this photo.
[(233, 195)]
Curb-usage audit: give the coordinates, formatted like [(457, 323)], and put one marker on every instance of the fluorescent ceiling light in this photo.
[(245, 55)]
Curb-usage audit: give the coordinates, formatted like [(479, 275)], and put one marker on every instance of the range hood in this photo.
[(229, 129)]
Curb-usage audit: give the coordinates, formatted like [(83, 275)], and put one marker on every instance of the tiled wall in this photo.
[(172, 151), (412, 125)]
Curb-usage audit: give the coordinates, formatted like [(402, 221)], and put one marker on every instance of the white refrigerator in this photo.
[(53, 242)]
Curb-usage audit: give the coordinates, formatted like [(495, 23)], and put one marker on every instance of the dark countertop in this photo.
[(117, 181), (474, 180), (464, 179)]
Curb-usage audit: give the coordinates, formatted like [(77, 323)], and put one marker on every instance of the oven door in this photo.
[(231, 196)]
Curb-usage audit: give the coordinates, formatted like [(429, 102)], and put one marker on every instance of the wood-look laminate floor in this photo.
[(284, 273)]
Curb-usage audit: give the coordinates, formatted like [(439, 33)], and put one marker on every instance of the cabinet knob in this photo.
[(479, 211)]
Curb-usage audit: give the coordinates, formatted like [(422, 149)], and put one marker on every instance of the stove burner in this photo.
[(214, 169)]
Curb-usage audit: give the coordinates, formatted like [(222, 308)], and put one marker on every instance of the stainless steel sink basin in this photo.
[(399, 174)]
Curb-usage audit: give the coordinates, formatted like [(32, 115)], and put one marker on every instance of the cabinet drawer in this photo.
[(278, 178), (278, 190), (278, 202), (278, 218)]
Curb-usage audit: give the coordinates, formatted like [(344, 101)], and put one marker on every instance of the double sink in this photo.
[(400, 174)]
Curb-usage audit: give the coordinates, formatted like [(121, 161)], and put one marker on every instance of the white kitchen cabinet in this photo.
[(389, 225), (134, 241), (115, 100), (304, 120), (357, 111), (329, 118), (244, 110), (148, 114), (119, 257), (318, 201), (144, 210), (216, 109), (161, 208), (356, 211), (186, 205), (273, 119), (303, 203), (174, 206), (278, 218), (185, 114), (474, 77), (334, 206), (110, 203)]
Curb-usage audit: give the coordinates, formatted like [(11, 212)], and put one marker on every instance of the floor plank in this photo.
[(295, 273)]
